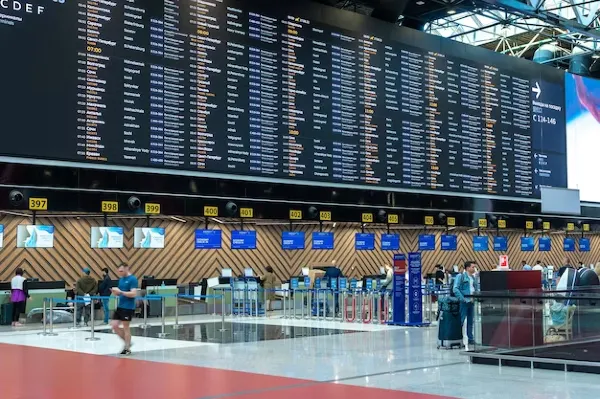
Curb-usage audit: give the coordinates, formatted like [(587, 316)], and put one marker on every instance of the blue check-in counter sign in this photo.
[(243, 239), (364, 241), (291, 240), (208, 239), (390, 242), (322, 240)]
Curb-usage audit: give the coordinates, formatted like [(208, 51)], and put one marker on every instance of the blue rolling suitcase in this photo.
[(450, 328)]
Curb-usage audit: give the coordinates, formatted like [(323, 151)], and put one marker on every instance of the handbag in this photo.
[(553, 336)]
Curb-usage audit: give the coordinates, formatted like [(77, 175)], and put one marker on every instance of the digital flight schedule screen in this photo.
[(243, 90)]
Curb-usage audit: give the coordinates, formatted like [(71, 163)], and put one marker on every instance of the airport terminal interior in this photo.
[(206, 199)]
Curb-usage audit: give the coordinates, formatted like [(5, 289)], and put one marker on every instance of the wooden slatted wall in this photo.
[(179, 259)]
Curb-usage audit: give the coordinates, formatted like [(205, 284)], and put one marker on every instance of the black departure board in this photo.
[(243, 90)]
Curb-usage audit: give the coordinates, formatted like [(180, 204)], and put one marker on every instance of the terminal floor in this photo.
[(234, 332), (380, 362)]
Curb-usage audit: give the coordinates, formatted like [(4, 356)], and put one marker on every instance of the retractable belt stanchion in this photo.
[(177, 326), (326, 305), (222, 329), (367, 314), (92, 337), (74, 313), (284, 304), (44, 316), (162, 333), (353, 309), (145, 325), (51, 332), (308, 305)]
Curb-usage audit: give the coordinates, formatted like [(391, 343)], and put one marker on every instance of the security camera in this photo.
[(382, 215), (134, 203), (15, 197), (313, 212), (231, 208), (442, 218)]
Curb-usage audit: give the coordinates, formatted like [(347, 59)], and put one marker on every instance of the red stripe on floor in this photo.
[(35, 373)]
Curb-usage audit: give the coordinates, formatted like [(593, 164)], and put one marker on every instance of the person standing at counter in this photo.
[(269, 281), (18, 296), (466, 284), (85, 287), (104, 291)]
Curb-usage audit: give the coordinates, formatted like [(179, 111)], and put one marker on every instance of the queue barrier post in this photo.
[(74, 313), (44, 316), (329, 293), (222, 329), (162, 333), (92, 336), (353, 308), (176, 326), (51, 332), (145, 325), (367, 311)]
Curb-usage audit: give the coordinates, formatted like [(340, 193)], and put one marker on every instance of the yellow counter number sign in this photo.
[(501, 224), (428, 220), (451, 221), (325, 216), (110, 207), (211, 211), (367, 218), (483, 223), (546, 225), (393, 219), (247, 212), (295, 214), (529, 224), (152, 209), (38, 204)]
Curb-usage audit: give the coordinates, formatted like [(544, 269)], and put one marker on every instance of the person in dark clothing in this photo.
[(85, 287), (440, 276), (104, 291), (566, 265)]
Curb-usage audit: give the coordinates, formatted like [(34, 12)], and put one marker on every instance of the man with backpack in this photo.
[(466, 284)]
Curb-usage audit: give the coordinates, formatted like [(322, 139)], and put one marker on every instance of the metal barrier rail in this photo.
[(48, 307)]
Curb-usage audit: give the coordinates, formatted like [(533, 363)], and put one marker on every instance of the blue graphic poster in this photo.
[(322, 240), (426, 242), (415, 301), (584, 244), (545, 244), (500, 243), (208, 239), (449, 243), (480, 243), (569, 245), (364, 242), (390, 242), (399, 290), (243, 239), (527, 244), (291, 240)]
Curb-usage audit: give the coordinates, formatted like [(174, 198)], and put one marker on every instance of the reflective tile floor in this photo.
[(378, 362), (232, 332)]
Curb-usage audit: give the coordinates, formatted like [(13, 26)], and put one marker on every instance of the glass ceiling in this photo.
[(544, 18)]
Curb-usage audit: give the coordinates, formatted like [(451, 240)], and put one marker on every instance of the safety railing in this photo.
[(353, 305)]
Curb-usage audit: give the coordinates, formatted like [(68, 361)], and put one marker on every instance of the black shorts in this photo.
[(123, 314)]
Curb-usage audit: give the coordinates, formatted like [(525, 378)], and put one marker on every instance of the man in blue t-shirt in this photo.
[(127, 292)]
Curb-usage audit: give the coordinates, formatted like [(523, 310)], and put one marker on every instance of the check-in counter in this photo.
[(38, 290), (166, 286)]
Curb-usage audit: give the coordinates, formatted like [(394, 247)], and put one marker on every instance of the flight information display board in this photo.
[(220, 88)]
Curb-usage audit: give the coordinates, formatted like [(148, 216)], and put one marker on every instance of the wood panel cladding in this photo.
[(179, 259)]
